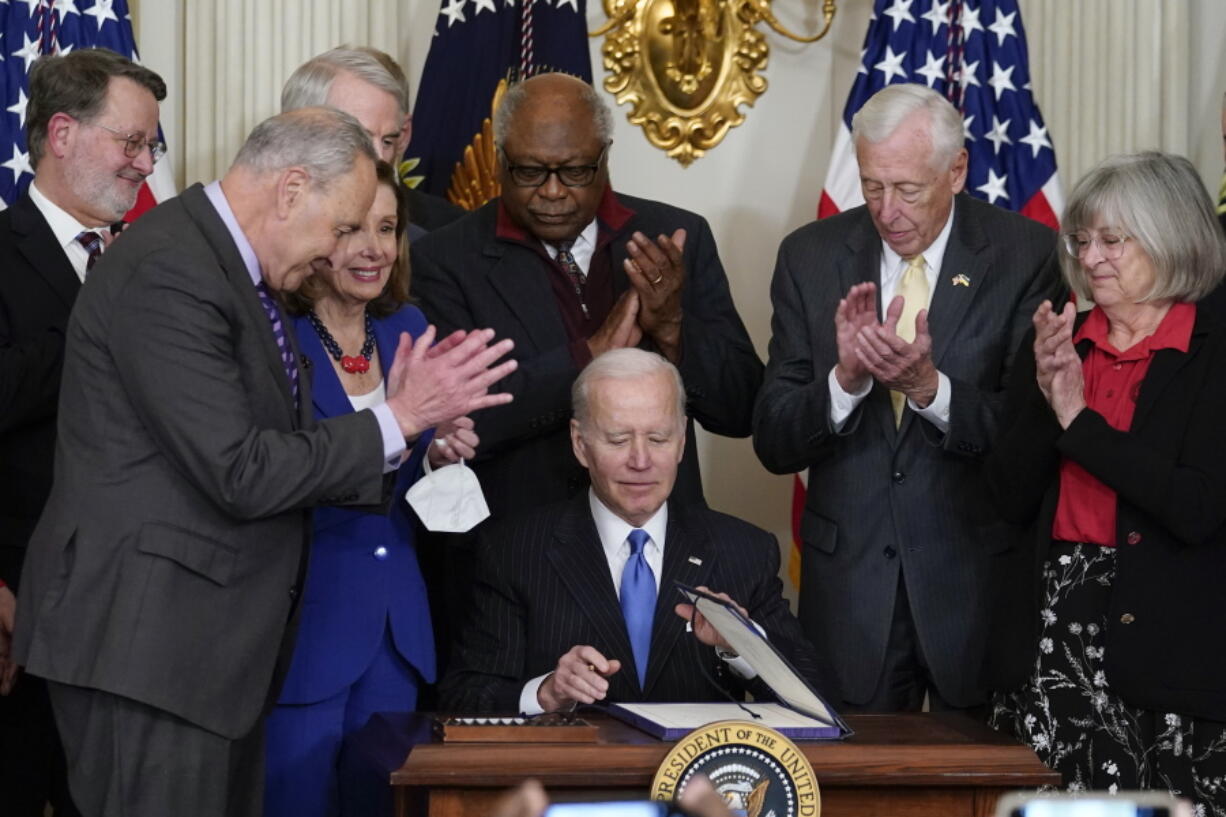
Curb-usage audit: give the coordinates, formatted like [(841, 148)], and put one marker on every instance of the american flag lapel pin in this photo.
[(694, 560), (961, 280)]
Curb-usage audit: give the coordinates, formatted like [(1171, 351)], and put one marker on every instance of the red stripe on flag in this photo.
[(826, 207), (1039, 210)]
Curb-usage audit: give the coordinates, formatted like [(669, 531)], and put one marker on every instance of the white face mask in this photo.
[(448, 500)]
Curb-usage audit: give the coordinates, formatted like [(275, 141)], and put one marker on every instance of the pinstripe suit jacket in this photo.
[(883, 500), (543, 586)]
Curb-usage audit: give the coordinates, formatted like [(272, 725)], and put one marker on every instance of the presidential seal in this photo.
[(758, 771)]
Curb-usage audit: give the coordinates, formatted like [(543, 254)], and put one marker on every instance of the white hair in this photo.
[(624, 364), (308, 86), (324, 141), (885, 111), (515, 96)]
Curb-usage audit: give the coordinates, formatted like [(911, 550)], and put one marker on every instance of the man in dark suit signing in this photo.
[(894, 330), (569, 269), (161, 583), (91, 127), (575, 602)]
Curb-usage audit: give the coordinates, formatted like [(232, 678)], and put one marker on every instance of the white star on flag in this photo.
[(969, 76), (66, 7), (102, 11), (1037, 138), (19, 107), (938, 15), (20, 163), (966, 128), (574, 4), (863, 68), (454, 12), (891, 65), (933, 70), (28, 52), (995, 187), (1003, 27), (900, 13), (970, 22), (483, 5), (1001, 79), (998, 135)]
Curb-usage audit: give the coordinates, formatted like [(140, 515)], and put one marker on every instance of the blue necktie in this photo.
[(92, 242), (638, 598), (278, 332)]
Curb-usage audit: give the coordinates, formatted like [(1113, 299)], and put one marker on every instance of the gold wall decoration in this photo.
[(474, 181), (687, 66)]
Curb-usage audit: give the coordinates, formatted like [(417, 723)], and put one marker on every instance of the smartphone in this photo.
[(1123, 804), (613, 808)]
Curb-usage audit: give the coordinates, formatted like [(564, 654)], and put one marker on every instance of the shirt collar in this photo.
[(1174, 332), (221, 204), (63, 226), (613, 530), (933, 253)]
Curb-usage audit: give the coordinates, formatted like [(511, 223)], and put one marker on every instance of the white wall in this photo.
[(764, 180)]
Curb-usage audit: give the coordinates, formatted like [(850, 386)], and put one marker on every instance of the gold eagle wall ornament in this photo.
[(474, 181), (687, 66)]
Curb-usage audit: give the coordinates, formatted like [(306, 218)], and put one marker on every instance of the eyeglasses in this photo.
[(134, 143), (1110, 244), (569, 175)]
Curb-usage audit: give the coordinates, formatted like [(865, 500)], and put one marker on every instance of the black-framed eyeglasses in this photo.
[(134, 143), (568, 175)]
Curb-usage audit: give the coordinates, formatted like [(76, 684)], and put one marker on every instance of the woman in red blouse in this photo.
[(1108, 638)]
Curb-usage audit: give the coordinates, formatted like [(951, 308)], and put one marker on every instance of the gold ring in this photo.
[(658, 279), (591, 667)]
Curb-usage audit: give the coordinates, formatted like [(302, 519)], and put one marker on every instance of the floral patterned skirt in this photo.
[(1069, 715)]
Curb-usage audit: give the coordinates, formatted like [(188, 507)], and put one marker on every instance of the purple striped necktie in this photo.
[(278, 331), (92, 242)]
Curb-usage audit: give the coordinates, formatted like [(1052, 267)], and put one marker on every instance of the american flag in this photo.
[(973, 52), (477, 43), (28, 30)]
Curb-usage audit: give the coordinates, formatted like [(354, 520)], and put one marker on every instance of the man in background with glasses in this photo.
[(92, 134), (569, 269)]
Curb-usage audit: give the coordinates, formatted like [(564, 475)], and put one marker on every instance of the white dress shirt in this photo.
[(614, 535), (65, 228), (581, 250), (843, 403)]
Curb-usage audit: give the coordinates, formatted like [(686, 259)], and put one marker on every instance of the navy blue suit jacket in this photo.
[(352, 586)]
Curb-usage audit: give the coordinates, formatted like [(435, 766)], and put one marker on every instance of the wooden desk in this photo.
[(915, 765)]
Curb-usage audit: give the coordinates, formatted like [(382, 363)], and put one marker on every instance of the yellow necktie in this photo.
[(914, 289)]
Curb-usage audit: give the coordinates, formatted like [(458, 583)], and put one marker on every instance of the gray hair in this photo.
[(884, 112), (624, 364), (308, 86), (1159, 201), (602, 115), (324, 141)]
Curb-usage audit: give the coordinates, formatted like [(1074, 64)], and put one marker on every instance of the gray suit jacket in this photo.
[(166, 565), (883, 500)]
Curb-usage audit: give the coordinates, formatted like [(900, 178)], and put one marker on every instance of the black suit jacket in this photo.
[(1168, 472), (884, 500), (467, 278), (37, 290), (431, 212), (543, 586)]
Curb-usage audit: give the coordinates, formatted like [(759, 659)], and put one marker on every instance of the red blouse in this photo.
[(1086, 508)]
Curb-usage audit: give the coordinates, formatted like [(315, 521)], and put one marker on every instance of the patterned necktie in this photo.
[(638, 600), (577, 276), (913, 287), (278, 332), (92, 242)]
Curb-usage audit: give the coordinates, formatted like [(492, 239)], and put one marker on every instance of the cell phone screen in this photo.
[(616, 808), (1089, 808)]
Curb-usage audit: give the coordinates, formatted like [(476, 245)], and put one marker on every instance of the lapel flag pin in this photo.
[(961, 280), (694, 560)]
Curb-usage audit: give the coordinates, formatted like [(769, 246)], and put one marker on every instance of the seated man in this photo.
[(574, 602)]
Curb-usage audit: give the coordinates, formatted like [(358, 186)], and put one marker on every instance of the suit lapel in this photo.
[(515, 274), (1165, 365), (327, 394), (580, 561), (46, 257), (201, 210), (963, 262), (687, 559)]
